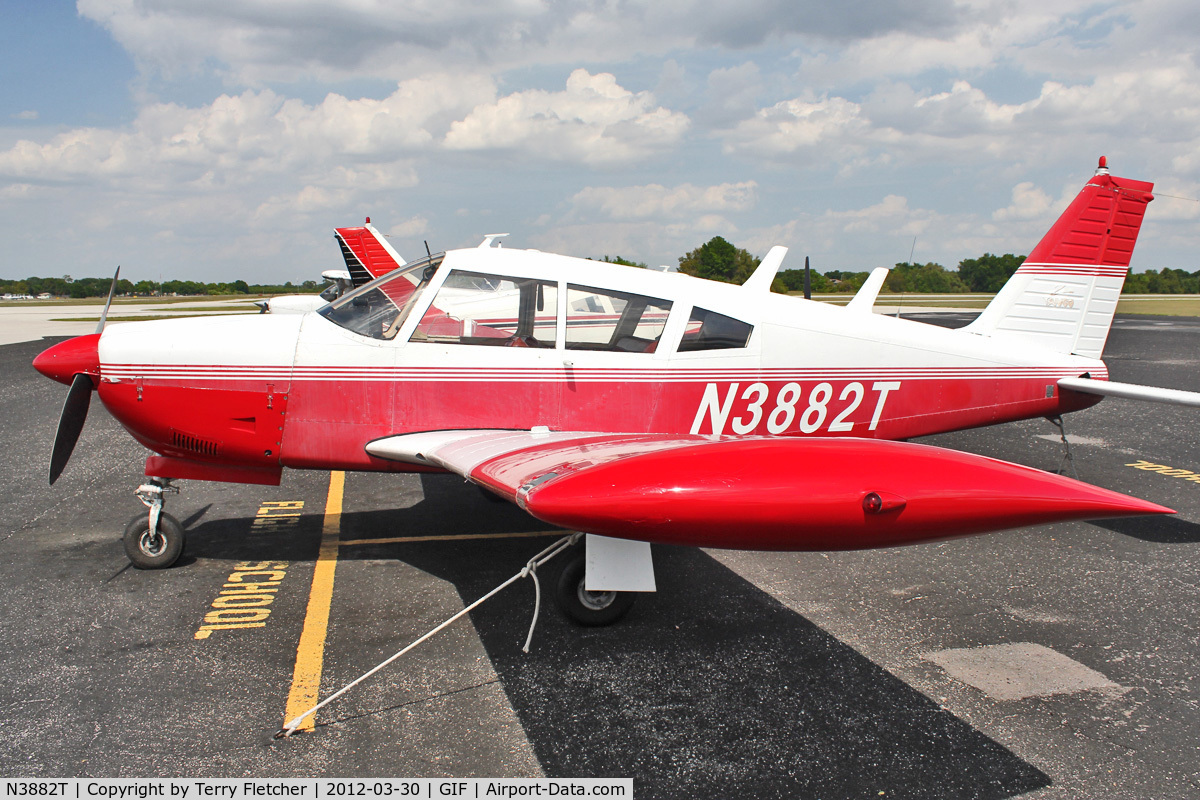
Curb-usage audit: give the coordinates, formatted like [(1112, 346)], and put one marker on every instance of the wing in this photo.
[(757, 493)]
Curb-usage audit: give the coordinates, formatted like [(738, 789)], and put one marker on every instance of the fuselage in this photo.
[(236, 398)]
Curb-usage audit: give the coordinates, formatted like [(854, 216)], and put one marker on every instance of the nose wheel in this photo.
[(154, 541)]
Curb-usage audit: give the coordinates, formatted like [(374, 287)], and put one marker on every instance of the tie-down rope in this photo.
[(528, 571)]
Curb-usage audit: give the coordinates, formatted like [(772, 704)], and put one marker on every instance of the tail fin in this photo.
[(1065, 294), (367, 253)]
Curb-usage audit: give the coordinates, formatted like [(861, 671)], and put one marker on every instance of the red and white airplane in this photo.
[(633, 405)]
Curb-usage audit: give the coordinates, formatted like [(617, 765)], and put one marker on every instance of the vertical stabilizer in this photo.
[(366, 252), (1065, 294)]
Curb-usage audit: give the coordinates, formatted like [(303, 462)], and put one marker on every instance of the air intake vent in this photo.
[(193, 444)]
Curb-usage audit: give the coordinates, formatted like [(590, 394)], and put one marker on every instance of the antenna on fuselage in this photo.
[(911, 250), (807, 281), (764, 273), (427, 249)]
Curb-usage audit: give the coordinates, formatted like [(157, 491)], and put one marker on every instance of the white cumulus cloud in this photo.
[(655, 200), (254, 41), (808, 132), (235, 140), (1028, 202), (594, 121), (769, 121)]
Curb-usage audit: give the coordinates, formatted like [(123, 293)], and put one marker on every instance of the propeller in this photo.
[(112, 289), (70, 423), (74, 357)]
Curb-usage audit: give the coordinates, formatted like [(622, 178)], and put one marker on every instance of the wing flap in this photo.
[(461, 451), (758, 493)]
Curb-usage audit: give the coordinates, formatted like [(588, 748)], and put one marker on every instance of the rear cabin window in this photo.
[(493, 310), (708, 330), (603, 319)]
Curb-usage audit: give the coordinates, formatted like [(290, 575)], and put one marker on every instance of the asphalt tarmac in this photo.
[(1054, 662)]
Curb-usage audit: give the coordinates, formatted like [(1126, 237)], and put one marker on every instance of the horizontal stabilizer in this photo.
[(757, 493), (1131, 391), (489, 239)]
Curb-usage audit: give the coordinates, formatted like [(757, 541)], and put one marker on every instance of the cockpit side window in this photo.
[(378, 309), (708, 330), (603, 319), (497, 310)]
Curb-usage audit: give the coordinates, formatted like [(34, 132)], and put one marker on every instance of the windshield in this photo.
[(378, 309)]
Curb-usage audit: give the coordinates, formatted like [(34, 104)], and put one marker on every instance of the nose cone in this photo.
[(66, 359)]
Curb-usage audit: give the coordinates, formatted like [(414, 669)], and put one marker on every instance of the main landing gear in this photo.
[(590, 609), (155, 540)]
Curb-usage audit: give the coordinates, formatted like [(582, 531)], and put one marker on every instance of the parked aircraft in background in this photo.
[(367, 255), (634, 405)]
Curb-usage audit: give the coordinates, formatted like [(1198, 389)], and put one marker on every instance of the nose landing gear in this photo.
[(155, 540)]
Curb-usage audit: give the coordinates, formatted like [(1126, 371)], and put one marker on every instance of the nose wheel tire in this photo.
[(157, 551), (590, 609)]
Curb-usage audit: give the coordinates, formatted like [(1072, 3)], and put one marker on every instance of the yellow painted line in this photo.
[(310, 654), (463, 537)]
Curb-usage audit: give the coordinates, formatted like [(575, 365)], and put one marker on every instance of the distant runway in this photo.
[(1053, 662), (30, 320)]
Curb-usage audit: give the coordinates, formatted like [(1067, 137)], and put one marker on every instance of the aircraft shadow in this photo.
[(1157, 529), (708, 688), (234, 540)]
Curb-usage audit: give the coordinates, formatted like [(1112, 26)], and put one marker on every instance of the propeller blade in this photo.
[(74, 412), (104, 314)]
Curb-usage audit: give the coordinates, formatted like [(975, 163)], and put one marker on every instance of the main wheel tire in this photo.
[(591, 609), (153, 552)]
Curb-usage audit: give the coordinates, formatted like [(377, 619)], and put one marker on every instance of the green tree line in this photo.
[(716, 259), (98, 287), (719, 260)]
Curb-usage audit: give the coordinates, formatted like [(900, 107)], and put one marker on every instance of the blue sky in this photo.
[(223, 139), (67, 69)]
